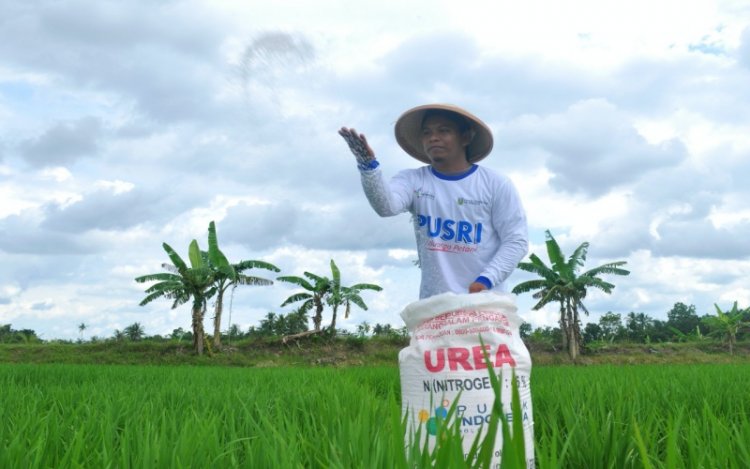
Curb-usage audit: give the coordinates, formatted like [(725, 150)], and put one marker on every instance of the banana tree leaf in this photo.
[(176, 259), (217, 258), (194, 253)]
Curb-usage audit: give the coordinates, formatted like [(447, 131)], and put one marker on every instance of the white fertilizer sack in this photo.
[(445, 357)]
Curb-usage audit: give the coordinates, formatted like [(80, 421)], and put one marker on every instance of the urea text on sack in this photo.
[(467, 359)]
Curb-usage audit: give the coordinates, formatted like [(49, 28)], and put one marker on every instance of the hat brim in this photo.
[(408, 131)]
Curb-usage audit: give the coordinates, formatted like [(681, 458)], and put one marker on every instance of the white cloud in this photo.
[(591, 149), (117, 187), (63, 143)]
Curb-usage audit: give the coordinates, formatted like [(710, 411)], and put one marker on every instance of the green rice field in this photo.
[(93, 416)]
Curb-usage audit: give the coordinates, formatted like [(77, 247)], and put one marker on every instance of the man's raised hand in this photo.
[(358, 145)]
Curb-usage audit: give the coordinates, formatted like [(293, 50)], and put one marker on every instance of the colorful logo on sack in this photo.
[(431, 423), (481, 415)]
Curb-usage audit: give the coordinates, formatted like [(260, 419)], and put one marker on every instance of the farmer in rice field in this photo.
[(468, 220)]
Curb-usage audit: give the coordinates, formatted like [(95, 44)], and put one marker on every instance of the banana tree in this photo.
[(727, 324), (561, 283), (228, 275), (339, 295), (181, 284), (323, 290), (316, 287)]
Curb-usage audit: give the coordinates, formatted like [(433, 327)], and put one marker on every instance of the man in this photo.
[(469, 223)]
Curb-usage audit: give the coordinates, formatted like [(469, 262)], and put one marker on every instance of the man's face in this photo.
[(443, 141)]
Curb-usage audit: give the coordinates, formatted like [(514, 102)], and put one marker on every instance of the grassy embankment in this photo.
[(349, 351)]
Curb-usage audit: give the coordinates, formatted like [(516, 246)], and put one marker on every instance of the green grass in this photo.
[(643, 416), (90, 416), (167, 416)]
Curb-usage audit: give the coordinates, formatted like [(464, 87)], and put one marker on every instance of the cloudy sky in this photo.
[(127, 124)]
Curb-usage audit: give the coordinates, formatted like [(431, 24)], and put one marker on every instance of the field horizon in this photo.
[(349, 351)]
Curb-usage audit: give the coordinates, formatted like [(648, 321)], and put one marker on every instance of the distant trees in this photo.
[(180, 334), (134, 332), (364, 329), (234, 332), (728, 326), (546, 335), (592, 332), (280, 325), (637, 326), (610, 325), (383, 329), (8, 335), (683, 318)]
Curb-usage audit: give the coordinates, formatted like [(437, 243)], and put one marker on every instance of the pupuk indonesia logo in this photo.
[(441, 414)]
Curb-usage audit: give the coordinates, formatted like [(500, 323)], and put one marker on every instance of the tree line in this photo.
[(272, 326), (683, 324), (209, 275), (8, 335)]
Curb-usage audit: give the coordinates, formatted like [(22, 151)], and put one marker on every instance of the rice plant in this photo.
[(160, 416)]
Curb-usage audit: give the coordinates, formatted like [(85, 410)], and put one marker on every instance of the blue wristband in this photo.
[(484, 281), (369, 166)]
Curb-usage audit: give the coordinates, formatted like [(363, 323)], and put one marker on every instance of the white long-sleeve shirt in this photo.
[(468, 227)]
